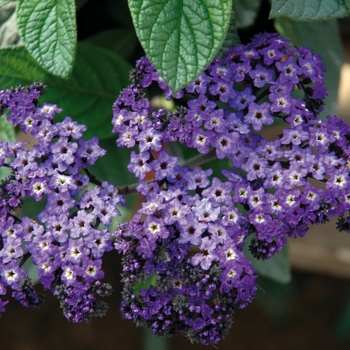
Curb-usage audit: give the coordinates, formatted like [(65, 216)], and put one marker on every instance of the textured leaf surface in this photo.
[(48, 30), (308, 10), (98, 77), (277, 268), (180, 37), (328, 46)]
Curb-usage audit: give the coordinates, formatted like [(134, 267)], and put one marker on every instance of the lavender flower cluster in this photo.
[(183, 267), (66, 242)]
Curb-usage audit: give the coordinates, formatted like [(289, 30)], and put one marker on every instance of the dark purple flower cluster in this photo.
[(184, 270), (66, 241), (186, 246)]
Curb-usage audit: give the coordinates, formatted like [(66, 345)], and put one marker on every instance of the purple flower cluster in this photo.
[(187, 245), (66, 241), (183, 269)]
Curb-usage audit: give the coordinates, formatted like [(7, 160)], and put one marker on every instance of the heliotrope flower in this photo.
[(64, 240), (184, 270), (200, 222)]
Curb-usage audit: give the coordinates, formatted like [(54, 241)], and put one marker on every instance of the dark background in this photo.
[(307, 313)]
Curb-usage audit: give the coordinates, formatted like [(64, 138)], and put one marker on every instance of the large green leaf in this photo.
[(48, 30), (277, 268), (97, 78), (231, 38), (180, 37), (308, 10), (328, 46)]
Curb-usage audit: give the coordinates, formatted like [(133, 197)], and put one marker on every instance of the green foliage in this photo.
[(150, 281), (274, 299), (120, 157), (97, 78), (4, 2), (231, 38), (347, 4), (122, 42), (150, 342), (18, 67), (328, 46), (48, 30), (7, 133), (180, 38), (277, 268), (308, 10), (246, 12)]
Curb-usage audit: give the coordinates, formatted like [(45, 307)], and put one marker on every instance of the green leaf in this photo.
[(328, 46), (96, 81), (308, 10), (8, 28), (150, 281), (231, 38), (180, 37), (277, 268), (7, 133), (48, 30), (113, 166), (4, 2), (274, 298), (150, 342), (246, 12), (347, 3), (123, 42)]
